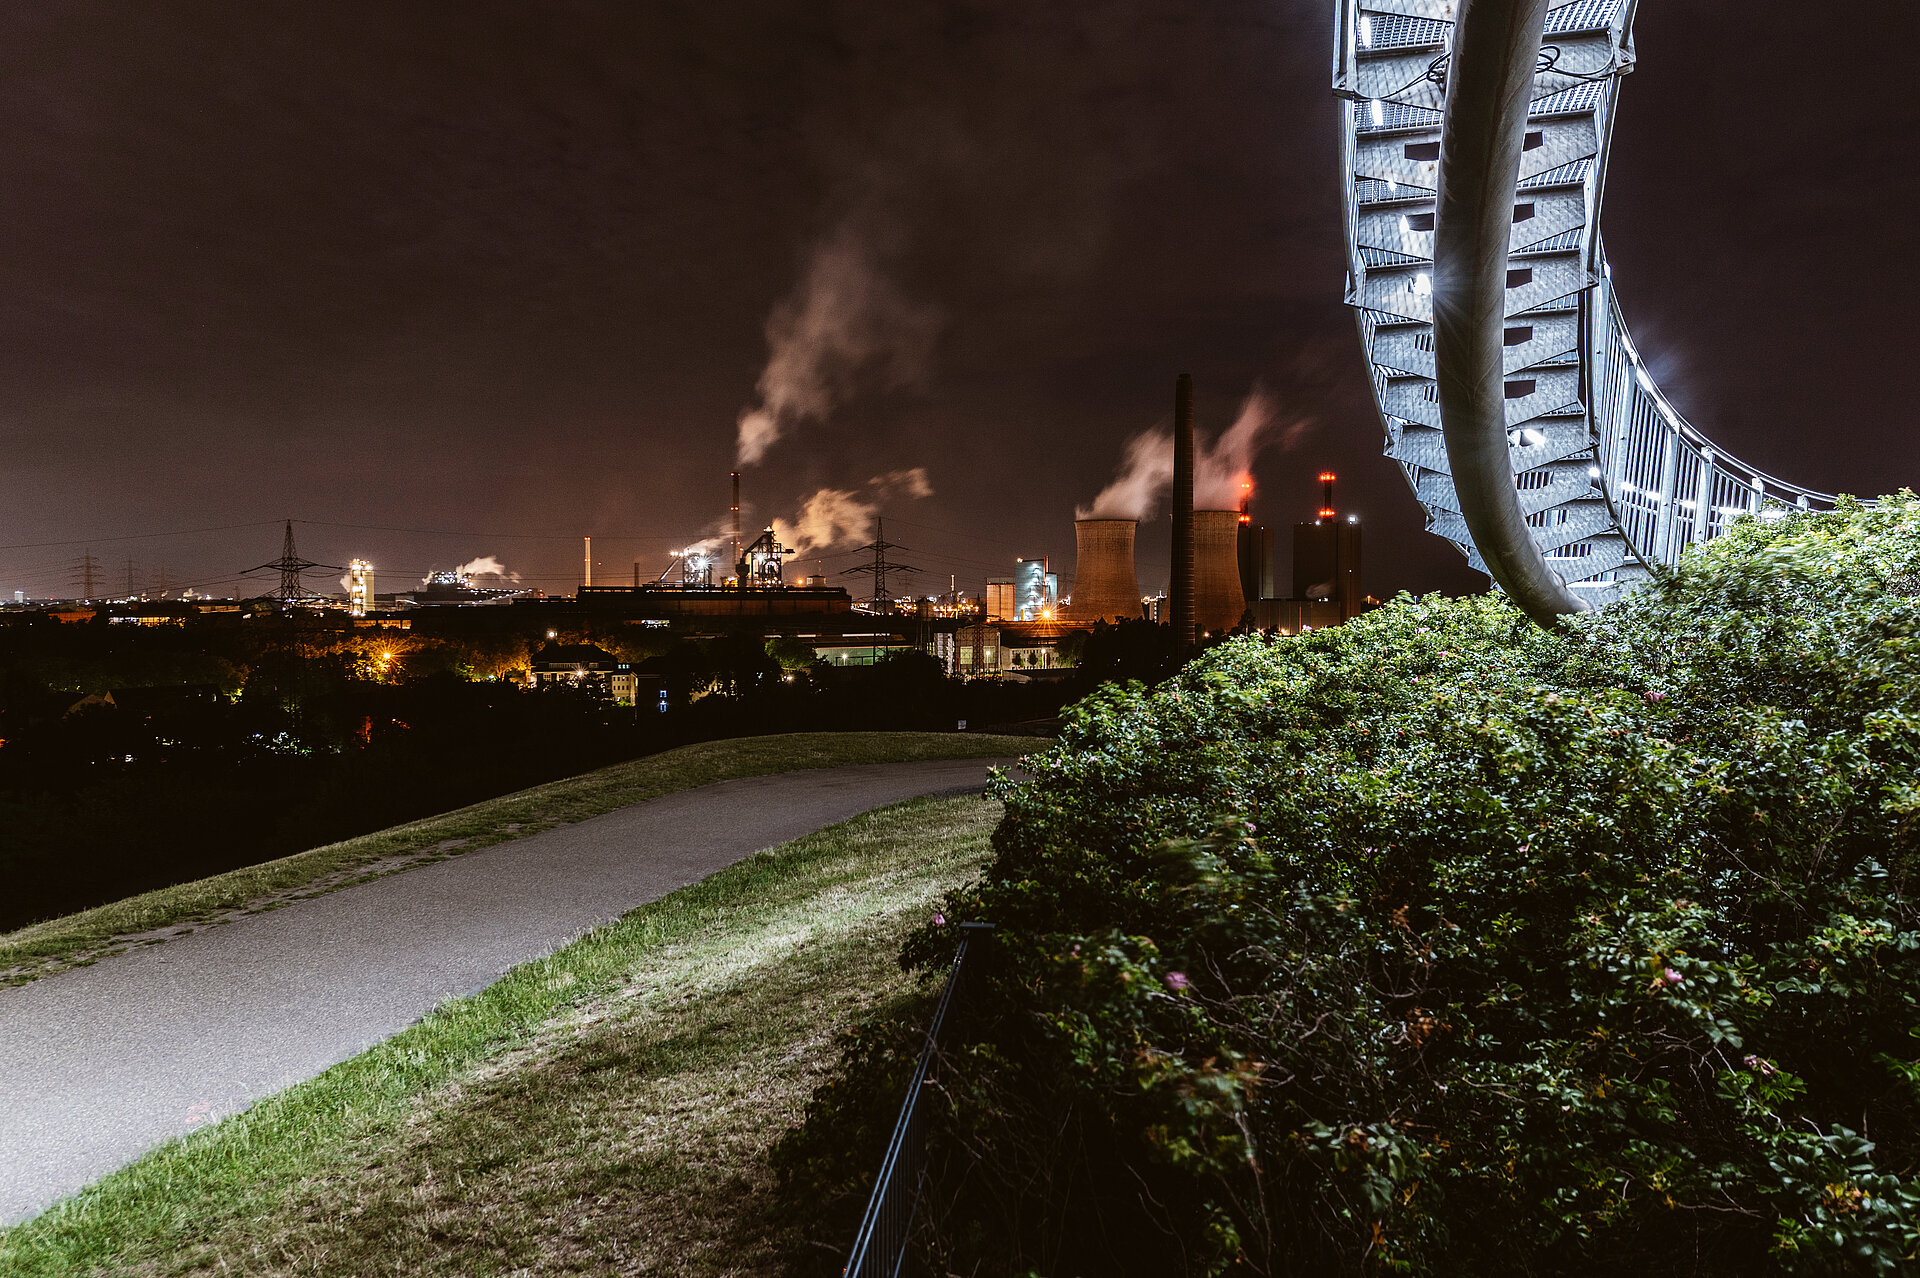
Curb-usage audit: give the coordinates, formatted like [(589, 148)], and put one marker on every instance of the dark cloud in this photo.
[(508, 269)]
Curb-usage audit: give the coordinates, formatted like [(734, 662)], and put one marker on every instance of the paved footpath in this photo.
[(100, 1063)]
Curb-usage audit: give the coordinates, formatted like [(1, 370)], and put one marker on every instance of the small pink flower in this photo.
[(1671, 977), (1654, 696), (939, 920), (1177, 981), (1766, 1067)]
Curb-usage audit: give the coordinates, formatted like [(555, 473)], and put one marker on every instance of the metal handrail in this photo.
[(880, 1248)]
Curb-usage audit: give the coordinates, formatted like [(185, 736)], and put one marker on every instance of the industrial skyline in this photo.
[(524, 279)]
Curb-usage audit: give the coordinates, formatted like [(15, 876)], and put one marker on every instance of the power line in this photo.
[(647, 535), (290, 565), (879, 568), (91, 541), (86, 574)]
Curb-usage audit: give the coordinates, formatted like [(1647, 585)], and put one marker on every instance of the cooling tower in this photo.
[(1217, 601), (1181, 583), (1104, 585)]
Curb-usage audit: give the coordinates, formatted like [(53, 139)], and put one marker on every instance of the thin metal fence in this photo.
[(880, 1248)]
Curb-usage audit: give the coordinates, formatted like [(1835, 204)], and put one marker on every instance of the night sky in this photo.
[(455, 280)]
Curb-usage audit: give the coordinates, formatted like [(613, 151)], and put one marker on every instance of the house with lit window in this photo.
[(585, 665)]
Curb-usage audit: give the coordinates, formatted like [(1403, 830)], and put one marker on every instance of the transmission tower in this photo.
[(86, 576), (880, 567), (290, 565), (132, 588)]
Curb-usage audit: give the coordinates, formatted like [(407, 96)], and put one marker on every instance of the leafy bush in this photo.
[(1438, 944)]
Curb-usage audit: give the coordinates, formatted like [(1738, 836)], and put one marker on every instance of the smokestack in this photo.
[(1217, 599), (736, 525), (1326, 494), (1105, 587), (1183, 563)]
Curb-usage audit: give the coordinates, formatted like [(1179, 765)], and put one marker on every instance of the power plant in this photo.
[(1326, 556), (1218, 602), (1105, 585)]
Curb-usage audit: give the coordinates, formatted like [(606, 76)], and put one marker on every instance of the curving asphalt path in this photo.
[(100, 1063)]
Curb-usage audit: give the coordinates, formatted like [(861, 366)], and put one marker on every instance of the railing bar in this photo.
[(883, 1208)]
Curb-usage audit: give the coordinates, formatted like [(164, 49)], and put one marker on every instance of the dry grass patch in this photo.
[(608, 1109), (77, 939)]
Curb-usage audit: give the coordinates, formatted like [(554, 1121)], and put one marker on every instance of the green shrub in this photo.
[(1439, 944)]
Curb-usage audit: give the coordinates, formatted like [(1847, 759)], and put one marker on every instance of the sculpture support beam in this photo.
[(1490, 80)]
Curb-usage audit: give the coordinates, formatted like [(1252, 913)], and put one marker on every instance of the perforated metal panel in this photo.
[(1612, 479)]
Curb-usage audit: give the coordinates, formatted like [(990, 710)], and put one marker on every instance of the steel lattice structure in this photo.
[(1611, 479)]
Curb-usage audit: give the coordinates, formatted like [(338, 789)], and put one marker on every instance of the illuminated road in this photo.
[(98, 1064)]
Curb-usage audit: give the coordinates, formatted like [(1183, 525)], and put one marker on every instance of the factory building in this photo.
[(676, 602), (982, 648), (1031, 594), (998, 600), (359, 587), (1327, 564), (1036, 592), (1326, 556)]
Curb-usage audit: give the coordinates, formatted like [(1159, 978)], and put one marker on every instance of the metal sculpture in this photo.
[(1511, 394)]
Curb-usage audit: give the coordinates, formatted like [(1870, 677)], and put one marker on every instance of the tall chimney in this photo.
[(735, 561), (1182, 585), (586, 560), (1326, 494)]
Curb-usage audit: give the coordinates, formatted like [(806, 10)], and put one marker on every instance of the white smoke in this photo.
[(1219, 467), (846, 325), (1145, 473), (488, 573), (834, 517), (909, 483)]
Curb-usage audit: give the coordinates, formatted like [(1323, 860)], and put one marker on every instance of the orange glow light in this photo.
[(1326, 513), (1327, 477)]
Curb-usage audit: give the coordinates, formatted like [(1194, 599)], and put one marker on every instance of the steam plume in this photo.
[(1145, 473), (489, 572), (834, 517), (1219, 467), (846, 325)]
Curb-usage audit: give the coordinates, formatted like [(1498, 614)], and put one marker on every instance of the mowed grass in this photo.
[(53, 944), (608, 1109)]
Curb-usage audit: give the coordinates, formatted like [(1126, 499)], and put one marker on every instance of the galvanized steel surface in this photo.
[(1608, 477)]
